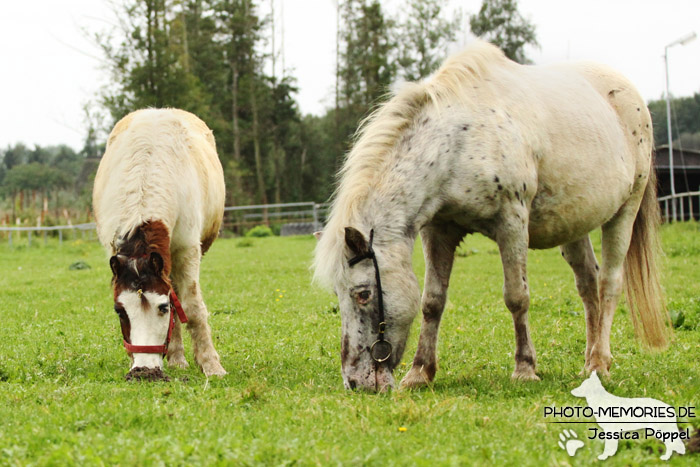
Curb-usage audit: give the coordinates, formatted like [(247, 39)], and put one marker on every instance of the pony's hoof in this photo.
[(178, 361), (601, 369), (414, 379), (213, 369), (525, 375)]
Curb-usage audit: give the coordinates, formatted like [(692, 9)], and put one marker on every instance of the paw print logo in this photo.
[(570, 442)]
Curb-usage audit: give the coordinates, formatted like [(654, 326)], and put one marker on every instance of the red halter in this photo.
[(175, 307)]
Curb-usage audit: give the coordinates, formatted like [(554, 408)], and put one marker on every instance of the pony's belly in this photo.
[(555, 225)]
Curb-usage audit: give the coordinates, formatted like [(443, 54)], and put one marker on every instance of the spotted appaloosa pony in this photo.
[(159, 201), (530, 156)]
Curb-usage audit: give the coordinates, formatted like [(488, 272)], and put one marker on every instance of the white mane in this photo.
[(378, 134)]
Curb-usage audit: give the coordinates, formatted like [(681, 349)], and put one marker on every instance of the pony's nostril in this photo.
[(352, 383)]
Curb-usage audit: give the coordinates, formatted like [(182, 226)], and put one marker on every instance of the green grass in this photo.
[(63, 398)]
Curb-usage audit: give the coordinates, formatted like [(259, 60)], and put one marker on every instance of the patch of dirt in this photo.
[(694, 442), (142, 373)]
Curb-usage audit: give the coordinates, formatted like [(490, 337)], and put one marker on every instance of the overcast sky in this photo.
[(49, 68)]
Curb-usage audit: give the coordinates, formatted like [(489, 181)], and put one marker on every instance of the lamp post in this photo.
[(682, 41)]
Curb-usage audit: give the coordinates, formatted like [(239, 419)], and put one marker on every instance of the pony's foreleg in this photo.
[(439, 244), (512, 239), (186, 278), (580, 256), (615, 239), (176, 351)]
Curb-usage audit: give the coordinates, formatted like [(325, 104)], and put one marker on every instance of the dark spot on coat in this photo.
[(640, 140), (465, 127), (524, 187), (634, 132), (638, 109), (344, 348), (432, 163), (500, 187), (517, 195), (495, 179)]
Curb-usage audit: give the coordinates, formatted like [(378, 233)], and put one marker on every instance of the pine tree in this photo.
[(500, 23)]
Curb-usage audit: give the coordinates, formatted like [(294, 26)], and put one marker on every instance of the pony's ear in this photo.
[(155, 261), (116, 264), (355, 241), (318, 234)]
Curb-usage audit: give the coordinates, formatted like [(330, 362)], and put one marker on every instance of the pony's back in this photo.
[(159, 164)]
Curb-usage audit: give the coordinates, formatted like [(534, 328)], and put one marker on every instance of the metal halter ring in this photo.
[(380, 350)]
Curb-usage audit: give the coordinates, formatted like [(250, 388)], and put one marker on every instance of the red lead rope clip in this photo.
[(175, 308)]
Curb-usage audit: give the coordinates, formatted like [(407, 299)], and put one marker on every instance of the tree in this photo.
[(424, 37), (366, 69), (500, 23), (685, 123), (148, 66)]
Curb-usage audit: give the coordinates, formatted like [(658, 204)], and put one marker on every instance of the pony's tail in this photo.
[(643, 287)]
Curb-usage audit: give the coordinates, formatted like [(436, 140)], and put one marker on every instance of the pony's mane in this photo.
[(375, 139), (151, 236)]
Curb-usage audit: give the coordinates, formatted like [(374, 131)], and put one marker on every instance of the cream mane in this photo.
[(378, 134)]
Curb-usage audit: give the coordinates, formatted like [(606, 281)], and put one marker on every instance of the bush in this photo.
[(259, 231)]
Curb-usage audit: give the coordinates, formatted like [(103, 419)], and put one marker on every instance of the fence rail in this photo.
[(241, 217), (83, 228), (236, 218), (677, 208)]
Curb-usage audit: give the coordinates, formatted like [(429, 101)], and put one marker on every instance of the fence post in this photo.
[(682, 209), (691, 217), (315, 212), (10, 239), (60, 237), (29, 239), (45, 239)]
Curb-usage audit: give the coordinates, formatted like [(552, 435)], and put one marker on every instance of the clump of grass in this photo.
[(65, 401), (260, 231)]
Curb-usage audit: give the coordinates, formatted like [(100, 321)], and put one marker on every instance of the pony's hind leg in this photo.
[(176, 351), (439, 244), (616, 236), (512, 239), (186, 279), (579, 254)]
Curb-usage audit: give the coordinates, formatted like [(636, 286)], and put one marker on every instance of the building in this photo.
[(686, 171)]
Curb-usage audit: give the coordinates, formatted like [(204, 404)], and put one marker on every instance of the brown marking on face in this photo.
[(344, 349), (142, 262), (124, 322)]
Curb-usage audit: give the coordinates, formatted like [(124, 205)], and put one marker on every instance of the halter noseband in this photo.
[(175, 308), (380, 351)]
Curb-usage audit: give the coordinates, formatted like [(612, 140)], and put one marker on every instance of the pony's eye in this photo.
[(363, 297), (118, 309), (164, 308)]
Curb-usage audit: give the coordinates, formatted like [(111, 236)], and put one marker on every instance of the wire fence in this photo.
[(284, 218), (290, 219), (680, 207)]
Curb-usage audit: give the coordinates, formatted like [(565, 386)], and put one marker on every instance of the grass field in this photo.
[(64, 400)]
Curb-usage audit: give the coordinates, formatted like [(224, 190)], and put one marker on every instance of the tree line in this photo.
[(219, 59)]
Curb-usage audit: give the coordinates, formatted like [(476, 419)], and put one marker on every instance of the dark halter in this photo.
[(381, 348)]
